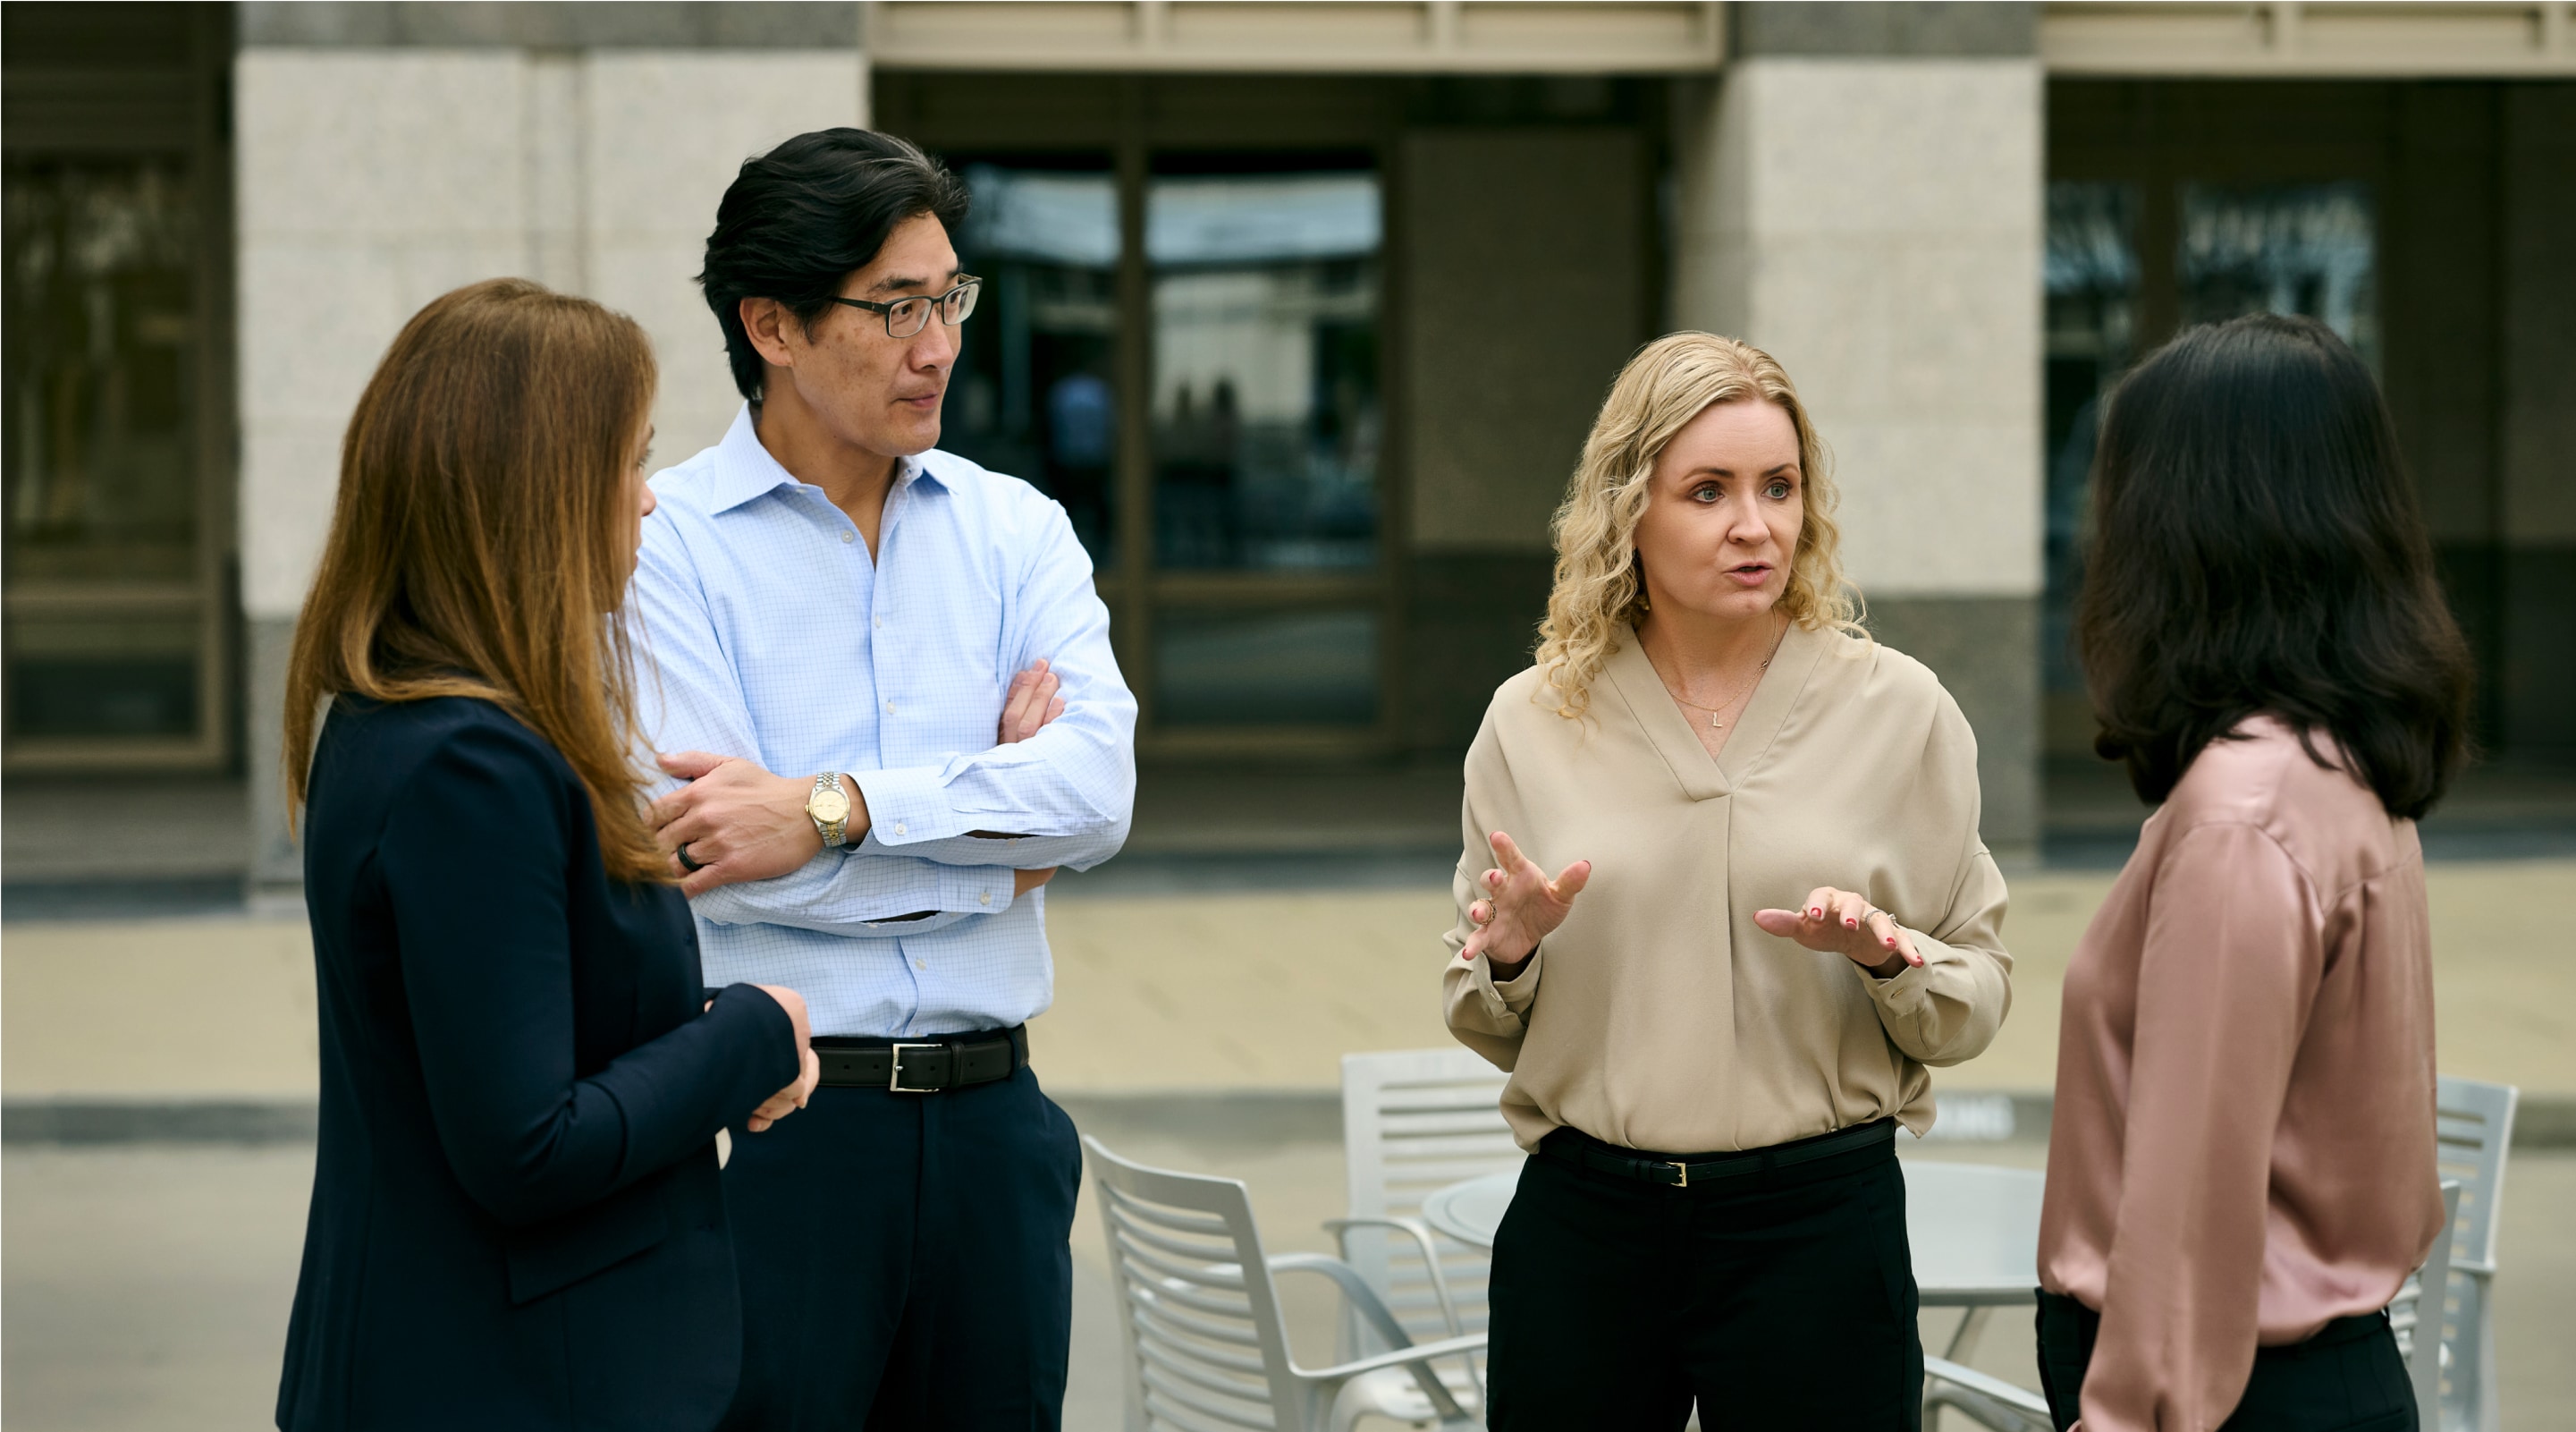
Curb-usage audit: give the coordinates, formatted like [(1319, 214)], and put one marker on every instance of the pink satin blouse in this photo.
[(2242, 1147)]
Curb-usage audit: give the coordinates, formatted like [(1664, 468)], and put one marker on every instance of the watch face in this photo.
[(829, 807)]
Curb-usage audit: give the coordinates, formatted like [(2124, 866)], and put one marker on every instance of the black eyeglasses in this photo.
[(907, 316)]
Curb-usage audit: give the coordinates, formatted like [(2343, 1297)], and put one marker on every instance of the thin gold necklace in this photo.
[(1714, 712)]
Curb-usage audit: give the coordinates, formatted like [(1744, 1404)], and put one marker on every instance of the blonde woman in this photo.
[(1771, 910)]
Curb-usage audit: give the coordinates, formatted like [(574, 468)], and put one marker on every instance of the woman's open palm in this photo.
[(1521, 906)]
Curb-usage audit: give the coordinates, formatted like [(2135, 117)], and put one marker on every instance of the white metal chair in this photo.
[(2474, 1133), (2412, 1318), (1414, 1121), (1986, 1400), (1207, 1348)]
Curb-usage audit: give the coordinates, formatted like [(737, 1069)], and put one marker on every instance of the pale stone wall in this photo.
[(1874, 219), (371, 181), (1875, 224), (373, 178)]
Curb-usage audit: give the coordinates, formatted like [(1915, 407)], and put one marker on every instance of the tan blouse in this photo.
[(1659, 1016), (2242, 1147)]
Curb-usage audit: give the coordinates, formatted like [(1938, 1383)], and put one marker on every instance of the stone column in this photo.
[(1860, 194), (390, 153)]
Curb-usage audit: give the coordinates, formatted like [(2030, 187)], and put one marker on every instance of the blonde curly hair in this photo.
[(1599, 586)]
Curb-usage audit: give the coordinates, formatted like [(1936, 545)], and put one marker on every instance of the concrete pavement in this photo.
[(146, 1284), (1235, 990)]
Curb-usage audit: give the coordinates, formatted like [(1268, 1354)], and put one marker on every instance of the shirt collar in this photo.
[(745, 469)]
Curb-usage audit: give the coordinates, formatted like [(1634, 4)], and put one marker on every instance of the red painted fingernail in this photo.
[(1915, 960), (1851, 924), (1815, 912), (1891, 942)]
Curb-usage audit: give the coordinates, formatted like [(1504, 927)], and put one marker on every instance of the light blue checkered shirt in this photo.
[(764, 630)]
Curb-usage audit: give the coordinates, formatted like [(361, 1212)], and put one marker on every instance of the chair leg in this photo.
[(1963, 1340)]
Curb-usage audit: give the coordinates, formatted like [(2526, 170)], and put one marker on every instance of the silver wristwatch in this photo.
[(829, 808)]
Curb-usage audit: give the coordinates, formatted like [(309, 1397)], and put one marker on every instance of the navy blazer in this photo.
[(516, 1221)]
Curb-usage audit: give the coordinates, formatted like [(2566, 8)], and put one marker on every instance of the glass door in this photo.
[(1184, 351), (115, 613), (1265, 424), (2121, 254)]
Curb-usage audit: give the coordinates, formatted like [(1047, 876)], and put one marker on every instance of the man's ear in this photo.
[(767, 322)]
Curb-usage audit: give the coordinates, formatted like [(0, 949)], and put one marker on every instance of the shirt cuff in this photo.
[(1507, 997), (977, 889), (1903, 994), (907, 805)]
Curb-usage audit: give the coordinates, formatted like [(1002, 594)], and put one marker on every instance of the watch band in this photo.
[(832, 831)]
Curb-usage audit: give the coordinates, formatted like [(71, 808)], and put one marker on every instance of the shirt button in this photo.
[(901, 829), (921, 964), (889, 708), (848, 536), (986, 898), (880, 623)]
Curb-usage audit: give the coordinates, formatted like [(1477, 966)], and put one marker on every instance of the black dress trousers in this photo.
[(1779, 1299), (905, 1261), (2347, 1378)]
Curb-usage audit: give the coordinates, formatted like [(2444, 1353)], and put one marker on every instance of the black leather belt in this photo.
[(923, 1066), (1573, 1146)]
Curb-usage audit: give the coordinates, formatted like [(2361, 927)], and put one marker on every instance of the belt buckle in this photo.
[(1684, 1170), (894, 1070)]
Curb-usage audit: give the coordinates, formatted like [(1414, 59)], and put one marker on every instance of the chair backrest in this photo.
[(2422, 1324), (1206, 1347), (1415, 1121), (2473, 1133)]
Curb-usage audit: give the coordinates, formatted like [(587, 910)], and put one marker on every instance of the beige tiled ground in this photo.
[(1188, 992)]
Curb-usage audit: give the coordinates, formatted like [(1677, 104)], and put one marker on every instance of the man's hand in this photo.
[(739, 822), (1024, 881), (1030, 704), (1841, 923)]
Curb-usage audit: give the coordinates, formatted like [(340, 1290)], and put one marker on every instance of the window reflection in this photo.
[(103, 549), (2092, 273), (2283, 248), (1035, 392), (1265, 407)]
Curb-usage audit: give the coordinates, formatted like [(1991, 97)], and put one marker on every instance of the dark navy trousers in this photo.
[(904, 1261)]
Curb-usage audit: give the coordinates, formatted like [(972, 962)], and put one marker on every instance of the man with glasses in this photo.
[(881, 684)]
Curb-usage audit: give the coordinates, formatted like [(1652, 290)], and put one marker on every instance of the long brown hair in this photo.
[(475, 545)]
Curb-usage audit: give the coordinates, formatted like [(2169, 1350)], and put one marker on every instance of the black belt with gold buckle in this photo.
[(923, 1066), (1585, 1152)]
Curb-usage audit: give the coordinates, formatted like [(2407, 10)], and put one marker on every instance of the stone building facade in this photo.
[(1302, 308)]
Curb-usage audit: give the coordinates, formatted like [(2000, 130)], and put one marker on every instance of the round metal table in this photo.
[(1974, 1230)]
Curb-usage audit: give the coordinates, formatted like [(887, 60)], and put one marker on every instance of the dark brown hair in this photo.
[(475, 548), (2258, 548)]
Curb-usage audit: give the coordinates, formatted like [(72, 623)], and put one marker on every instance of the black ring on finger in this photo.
[(686, 863)]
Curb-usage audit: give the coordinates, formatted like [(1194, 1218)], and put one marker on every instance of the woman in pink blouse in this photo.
[(2240, 1171)]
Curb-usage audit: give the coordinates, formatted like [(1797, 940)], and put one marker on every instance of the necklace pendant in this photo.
[(1716, 725)]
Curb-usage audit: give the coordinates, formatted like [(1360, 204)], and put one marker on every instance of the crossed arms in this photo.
[(926, 845)]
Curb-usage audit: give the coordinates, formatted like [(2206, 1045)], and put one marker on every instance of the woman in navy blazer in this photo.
[(516, 1221)]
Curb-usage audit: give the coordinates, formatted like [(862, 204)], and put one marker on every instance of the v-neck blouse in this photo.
[(1659, 1016)]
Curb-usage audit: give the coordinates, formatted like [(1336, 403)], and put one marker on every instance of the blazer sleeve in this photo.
[(475, 859)]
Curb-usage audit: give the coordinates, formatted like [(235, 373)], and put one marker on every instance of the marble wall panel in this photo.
[(665, 132), (1875, 225)]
